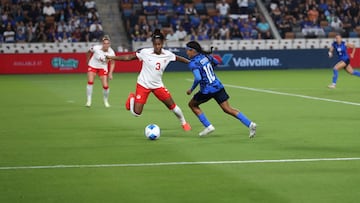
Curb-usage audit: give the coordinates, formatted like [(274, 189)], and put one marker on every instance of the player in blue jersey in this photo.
[(201, 65), (340, 48)]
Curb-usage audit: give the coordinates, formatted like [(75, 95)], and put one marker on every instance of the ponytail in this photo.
[(157, 35), (195, 45)]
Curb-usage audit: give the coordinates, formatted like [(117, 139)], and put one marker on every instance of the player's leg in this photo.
[(89, 87), (340, 65), (351, 71), (106, 90), (165, 97), (222, 98), (194, 105), (138, 100)]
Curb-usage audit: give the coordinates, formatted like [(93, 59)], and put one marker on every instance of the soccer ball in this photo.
[(152, 131)]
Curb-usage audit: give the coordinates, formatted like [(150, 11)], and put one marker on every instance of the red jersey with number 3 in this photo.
[(153, 67)]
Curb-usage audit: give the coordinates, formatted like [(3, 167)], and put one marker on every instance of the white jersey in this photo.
[(98, 59), (153, 67)]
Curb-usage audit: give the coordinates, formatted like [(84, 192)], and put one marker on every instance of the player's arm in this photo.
[(127, 57), (182, 59), (197, 78), (88, 55), (331, 49), (352, 46), (112, 68)]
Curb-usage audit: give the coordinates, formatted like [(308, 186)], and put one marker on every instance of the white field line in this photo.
[(178, 163), (290, 94)]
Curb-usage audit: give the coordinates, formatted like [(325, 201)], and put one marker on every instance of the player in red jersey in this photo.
[(154, 62)]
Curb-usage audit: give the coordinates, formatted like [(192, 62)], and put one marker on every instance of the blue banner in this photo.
[(266, 59)]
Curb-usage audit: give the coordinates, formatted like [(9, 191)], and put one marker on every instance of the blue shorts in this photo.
[(346, 61), (219, 96)]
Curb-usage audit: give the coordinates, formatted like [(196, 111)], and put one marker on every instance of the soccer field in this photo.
[(307, 148)]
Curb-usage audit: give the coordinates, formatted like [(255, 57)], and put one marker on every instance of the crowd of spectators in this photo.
[(49, 21), (316, 18), (194, 20)]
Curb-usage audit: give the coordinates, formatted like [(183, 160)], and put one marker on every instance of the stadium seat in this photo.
[(259, 44), (312, 43), (289, 35), (273, 44), (218, 45), (246, 45), (299, 44), (286, 44), (325, 43), (354, 41), (332, 34), (200, 8), (231, 45), (353, 35)]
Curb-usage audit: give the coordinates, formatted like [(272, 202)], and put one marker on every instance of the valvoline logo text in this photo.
[(246, 62)]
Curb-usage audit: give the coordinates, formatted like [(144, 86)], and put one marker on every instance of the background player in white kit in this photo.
[(154, 62), (98, 64)]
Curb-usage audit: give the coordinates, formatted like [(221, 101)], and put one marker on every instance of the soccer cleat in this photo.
[(332, 86), (88, 103), (186, 127), (127, 104), (106, 103), (207, 130), (252, 128)]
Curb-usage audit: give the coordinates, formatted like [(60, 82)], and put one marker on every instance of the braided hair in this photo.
[(195, 45)]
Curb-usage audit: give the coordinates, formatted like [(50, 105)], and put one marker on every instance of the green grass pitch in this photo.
[(44, 123)]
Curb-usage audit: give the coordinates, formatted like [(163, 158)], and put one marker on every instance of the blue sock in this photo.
[(243, 119), (335, 77), (357, 73), (204, 120)]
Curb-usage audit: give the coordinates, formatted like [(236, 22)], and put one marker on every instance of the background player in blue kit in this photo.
[(340, 48), (201, 65)]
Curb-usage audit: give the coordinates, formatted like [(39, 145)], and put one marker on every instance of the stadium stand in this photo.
[(42, 22)]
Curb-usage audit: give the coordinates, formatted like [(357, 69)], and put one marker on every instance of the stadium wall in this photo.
[(37, 63)]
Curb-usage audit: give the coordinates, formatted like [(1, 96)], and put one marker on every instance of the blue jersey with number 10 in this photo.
[(341, 51), (209, 83)]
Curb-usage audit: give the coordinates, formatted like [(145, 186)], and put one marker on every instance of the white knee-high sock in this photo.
[(106, 93), (132, 102), (179, 114), (89, 90)]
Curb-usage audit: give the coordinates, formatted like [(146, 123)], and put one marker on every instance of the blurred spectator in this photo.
[(137, 34), (246, 31), (90, 4), (85, 35), (223, 7), (337, 25), (9, 34), (235, 32), (285, 27), (150, 9), (181, 33), (76, 35), (190, 9), (162, 8), (263, 28), (41, 33), (61, 27), (224, 32), (48, 9), (243, 6), (353, 11), (313, 15), (171, 36), (179, 8)]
